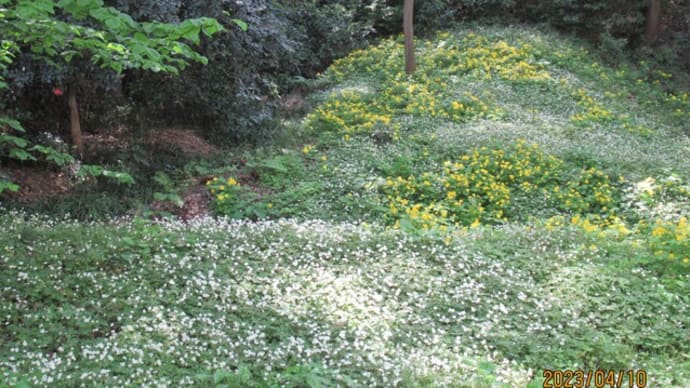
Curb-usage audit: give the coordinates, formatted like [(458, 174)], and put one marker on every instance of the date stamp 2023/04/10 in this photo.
[(555, 378)]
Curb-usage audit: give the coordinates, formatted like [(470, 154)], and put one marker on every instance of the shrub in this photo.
[(331, 30), (226, 196), (670, 241), (233, 97), (594, 19)]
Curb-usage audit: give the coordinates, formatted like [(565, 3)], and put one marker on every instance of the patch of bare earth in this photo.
[(39, 182), (196, 203), (112, 139), (196, 199), (187, 141), (36, 183)]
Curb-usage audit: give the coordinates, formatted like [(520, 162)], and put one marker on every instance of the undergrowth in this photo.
[(513, 206)]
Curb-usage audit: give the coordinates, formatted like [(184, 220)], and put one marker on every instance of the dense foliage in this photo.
[(68, 34), (403, 233), (236, 96)]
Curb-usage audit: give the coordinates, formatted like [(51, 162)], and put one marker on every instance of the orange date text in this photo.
[(556, 378)]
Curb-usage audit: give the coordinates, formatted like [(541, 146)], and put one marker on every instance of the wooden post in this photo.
[(74, 122), (653, 21), (408, 30)]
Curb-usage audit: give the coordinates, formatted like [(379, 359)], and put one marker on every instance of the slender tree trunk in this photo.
[(408, 29), (653, 21), (74, 122)]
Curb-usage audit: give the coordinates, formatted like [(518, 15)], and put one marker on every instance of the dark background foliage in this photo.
[(234, 98)]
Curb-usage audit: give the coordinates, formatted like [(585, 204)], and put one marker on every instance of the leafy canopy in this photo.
[(110, 38), (58, 32)]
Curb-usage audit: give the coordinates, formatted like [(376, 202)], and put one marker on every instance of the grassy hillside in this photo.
[(514, 206)]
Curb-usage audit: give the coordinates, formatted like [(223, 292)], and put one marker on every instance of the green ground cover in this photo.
[(514, 206)]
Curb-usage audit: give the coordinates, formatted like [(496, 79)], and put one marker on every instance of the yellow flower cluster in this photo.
[(486, 59), (432, 98), (680, 104), (427, 92), (671, 239), (307, 148), (589, 192), (348, 113), (584, 223), (592, 223), (666, 239), (222, 189), (594, 113), (447, 55), (384, 58), (478, 187)]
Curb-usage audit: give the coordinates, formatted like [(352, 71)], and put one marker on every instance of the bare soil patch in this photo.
[(39, 182), (188, 141), (36, 183)]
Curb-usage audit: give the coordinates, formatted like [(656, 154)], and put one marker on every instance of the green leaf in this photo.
[(488, 367), (406, 226), (141, 37), (162, 179), (100, 14), (244, 374), (241, 24), (190, 31), (111, 40), (119, 177), (17, 141), (14, 124), (68, 55), (20, 154), (90, 170), (40, 9), (7, 185), (113, 23), (80, 8), (271, 164), (220, 375), (52, 155), (211, 28)]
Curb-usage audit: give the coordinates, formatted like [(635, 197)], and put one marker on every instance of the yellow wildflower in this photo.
[(658, 231), (307, 148)]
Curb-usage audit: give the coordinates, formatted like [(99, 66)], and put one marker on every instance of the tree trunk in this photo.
[(74, 123), (408, 29), (653, 21)]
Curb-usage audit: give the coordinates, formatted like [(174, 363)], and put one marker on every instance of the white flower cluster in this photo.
[(364, 305)]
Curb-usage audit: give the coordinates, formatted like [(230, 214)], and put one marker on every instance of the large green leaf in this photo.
[(34, 9), (241, 24), (12, 123), (16, 141), (80, 9), (189, 30), (20, 154), (52, 155), (7, 185)]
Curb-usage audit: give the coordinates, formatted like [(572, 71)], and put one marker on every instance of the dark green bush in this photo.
[(233, 96), (593, 19)]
